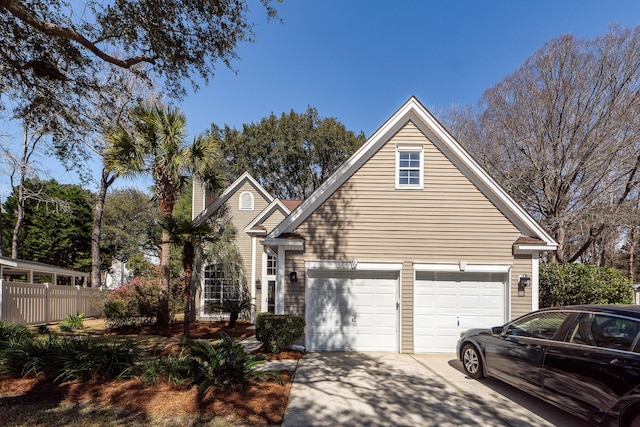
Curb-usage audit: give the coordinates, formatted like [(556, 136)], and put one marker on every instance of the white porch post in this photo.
[(253, 278), (535, 277), (280, 279)]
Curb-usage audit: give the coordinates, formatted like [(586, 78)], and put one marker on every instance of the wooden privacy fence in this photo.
[(30, 303)]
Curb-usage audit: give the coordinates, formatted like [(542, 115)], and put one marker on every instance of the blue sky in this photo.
[(359, 60)]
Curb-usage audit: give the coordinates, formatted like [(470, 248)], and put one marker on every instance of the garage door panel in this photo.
[(326, 339), (357, 308), (446, 303)]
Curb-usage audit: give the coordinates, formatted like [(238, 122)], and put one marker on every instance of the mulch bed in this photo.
[(261, 402), (198, 329)]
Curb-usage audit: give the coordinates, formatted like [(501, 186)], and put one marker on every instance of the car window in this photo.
[(602, 330), (537, 325)]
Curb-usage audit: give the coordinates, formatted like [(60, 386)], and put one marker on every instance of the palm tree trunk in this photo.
[(164, 317), (188, 255)]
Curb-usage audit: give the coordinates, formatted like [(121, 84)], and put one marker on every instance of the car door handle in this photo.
[(534, 347)]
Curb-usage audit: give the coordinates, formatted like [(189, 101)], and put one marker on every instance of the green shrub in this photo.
[(134, 303), (88, 359), (11, 334), (277, 332), (224, 364), (26, 357), (71, 323), (69, 358), (173, 369), (571, 284)]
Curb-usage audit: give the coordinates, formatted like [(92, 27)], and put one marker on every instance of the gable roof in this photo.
[(255, 226), (230, 191), (414, 111)]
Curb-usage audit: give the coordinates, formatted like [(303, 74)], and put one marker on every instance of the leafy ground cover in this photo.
[(37, 402)]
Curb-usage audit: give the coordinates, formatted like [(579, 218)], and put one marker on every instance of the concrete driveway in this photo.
[(401, 389)]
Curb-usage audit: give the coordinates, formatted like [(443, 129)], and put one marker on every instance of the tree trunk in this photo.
[(105, 182), (19, 220), (20, 204), (233, 317), (188, 256), (164, 317)]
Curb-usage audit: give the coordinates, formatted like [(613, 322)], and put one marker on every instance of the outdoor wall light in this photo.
[(258, 284), (523, 282), (293, 276)]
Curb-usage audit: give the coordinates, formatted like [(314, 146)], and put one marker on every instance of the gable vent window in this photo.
[(246, 201), (409, 167)]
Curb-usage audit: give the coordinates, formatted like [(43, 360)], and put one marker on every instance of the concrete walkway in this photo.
[(399, 389)]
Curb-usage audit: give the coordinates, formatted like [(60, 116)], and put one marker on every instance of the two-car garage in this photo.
[(360, 309)]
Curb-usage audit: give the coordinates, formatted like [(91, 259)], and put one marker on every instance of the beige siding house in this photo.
[(406, 245), (253, 212)]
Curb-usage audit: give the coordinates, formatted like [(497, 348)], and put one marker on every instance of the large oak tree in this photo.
[(562, 134), (290, 155)]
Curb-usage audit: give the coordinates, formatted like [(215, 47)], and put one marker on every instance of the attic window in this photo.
[(246, 201), (409, 167)]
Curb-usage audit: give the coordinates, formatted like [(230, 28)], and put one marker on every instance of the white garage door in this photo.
[(447, 303), (351, 310)]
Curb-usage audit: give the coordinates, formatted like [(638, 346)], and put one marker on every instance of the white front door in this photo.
[(351, 310), (447, 303)]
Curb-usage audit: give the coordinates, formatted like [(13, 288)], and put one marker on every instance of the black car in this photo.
[(583, 359)]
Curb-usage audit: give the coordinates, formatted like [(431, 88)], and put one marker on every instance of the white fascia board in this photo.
[(226, 194), (255, 232), (469, 268), (349, 265), (8, 263), (275, 204), (290, 244), (528, 249)]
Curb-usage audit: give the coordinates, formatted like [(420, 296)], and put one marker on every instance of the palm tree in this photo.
[(158, 147), (183, 232)]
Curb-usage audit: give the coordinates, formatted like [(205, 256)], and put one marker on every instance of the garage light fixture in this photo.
[(293, 276), (523, 282)]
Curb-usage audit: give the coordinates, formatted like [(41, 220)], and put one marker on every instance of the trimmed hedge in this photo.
[(571, 284), (277, 332)]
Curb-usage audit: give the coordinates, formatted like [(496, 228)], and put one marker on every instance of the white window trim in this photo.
[(243, 208), (266, 278), (409, 148)]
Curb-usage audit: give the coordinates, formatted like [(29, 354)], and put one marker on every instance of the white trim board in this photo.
[(468, 267)]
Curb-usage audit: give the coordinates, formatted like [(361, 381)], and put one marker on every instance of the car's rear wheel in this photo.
[(472, 362), (631, 417)]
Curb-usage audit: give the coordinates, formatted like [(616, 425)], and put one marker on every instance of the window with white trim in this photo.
[(246, 201), (219, 286), (272, 264), (409, 167)]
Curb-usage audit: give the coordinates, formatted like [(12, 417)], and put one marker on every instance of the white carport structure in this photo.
[(34, 293), (22, 271)]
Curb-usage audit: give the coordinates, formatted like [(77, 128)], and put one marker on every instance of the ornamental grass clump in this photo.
[(72, 323)]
